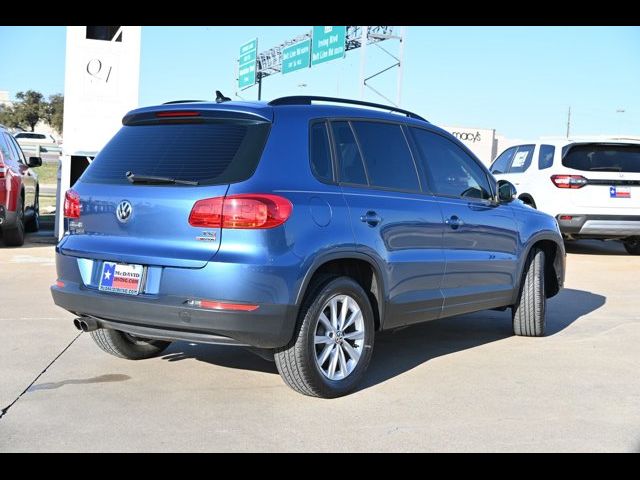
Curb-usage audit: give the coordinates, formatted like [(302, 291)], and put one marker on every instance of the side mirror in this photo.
[(34, 162), (506, 191)]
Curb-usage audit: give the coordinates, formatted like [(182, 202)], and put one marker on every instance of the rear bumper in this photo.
[(168, 318), (602, 226)]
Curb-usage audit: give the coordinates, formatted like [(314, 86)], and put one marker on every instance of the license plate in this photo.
[(121, 278), (619, 192)]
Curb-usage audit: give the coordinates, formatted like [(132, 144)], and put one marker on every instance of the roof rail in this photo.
[(307, 99), (182, 101)]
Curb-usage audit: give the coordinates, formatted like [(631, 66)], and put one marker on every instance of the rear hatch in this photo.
[(137, 194), (612, 173)]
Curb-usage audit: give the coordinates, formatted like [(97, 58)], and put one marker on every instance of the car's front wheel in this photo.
[(632, 245), (14, 236), (333, 342), (123, 345), (529, 311)]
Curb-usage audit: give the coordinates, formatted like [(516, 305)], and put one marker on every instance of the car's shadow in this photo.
[(401, 350), (595, 247)]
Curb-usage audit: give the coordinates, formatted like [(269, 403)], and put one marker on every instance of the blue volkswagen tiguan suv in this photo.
[(297, 227)]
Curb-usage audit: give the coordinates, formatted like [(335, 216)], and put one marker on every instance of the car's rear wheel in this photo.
[(123, 345), (14, 236), (33, 225), (333, 342), (632, 245), (529, 311)]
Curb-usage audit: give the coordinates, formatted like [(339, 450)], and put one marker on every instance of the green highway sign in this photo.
[(328, 44), (247, 64), (296, 56)]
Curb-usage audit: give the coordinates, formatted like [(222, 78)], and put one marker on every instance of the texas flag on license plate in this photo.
[(121, 278), (619, 192)]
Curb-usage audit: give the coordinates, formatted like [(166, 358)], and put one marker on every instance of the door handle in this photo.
[(454, 222), (371, 218)]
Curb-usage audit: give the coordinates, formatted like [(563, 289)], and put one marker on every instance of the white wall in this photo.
[(481, 141), (100, 86)]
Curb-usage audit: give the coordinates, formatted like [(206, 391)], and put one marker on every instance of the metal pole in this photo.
[(259, 81), (363, 58), (400, 65), (568, 121)]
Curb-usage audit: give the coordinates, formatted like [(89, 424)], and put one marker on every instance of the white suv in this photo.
[(592, 187)]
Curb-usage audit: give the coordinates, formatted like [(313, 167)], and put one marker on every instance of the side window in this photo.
[(18, 150), (7, 154), (450, 170), (545, 156), (522, 159), (501, 164), (386, 156), (11, 155), (320, 152), (351, 167)]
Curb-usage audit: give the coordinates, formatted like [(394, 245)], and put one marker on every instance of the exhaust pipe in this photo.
[(86, 324)]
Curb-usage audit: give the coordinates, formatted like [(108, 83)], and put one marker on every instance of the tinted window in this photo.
[(18, 150), (521, 159), (501, 164), (320, 152), (449, 169), (545, 156), (7, 153), (12, 156), (604, 158), (351, 168), (386, 156), (209, 153)]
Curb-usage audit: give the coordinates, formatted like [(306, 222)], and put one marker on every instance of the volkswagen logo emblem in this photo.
[(123, 211)]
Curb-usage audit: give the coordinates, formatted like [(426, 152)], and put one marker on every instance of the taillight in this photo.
[(71, 204), (243, 211), (3, 168), (569, 181)]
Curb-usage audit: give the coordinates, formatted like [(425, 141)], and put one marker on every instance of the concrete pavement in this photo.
[(462, 384)]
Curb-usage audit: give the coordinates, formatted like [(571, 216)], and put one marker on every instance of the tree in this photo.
[(8, 117), (53, 111), (30, 108)]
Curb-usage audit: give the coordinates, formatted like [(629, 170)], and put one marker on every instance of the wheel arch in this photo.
[(357, 266), (554, 263)]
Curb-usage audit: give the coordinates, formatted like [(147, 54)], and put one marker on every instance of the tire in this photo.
[(299, 362), (632, 245), (529, 310), (123, 345), (33, 225), (14, 236)]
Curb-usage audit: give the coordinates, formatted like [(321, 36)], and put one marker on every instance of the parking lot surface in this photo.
[(460, 384)]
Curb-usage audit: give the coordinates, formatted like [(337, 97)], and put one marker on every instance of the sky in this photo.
[(517, 80)]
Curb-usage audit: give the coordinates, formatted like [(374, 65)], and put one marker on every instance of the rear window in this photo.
[(209, 153), (603, 158)]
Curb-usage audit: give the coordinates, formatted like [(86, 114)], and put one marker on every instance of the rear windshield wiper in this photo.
[(135, 178)]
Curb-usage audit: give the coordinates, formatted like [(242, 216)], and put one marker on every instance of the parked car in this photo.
[(19, 191), (30, 140), (296, 228), (592, 187)]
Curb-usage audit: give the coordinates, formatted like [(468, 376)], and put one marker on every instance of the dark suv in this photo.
[(296, 228)]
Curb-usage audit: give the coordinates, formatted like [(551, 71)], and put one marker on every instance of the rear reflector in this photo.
[(178, 113), (59, 283), (215, 305), (245, 211), (566, 217), (71, 204), (569, 181)]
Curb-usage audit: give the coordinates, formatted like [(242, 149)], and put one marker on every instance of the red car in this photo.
[(19, 211)]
